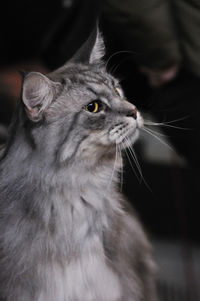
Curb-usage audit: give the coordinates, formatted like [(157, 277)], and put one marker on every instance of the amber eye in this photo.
[(93, 107), (117, 91)]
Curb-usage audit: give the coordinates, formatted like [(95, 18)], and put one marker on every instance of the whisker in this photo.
[(134, 157), (158, 138), (167, 125), (142, 176), (156, 132), (175, 120), (131, 164), (113, 70), (116, 53)]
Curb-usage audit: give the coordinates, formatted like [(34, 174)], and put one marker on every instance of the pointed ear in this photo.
[(92, 51), (98, 50), (37, 94)]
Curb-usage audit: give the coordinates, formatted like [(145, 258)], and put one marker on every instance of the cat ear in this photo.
[(38, 92), (98, 50), (92, 51)]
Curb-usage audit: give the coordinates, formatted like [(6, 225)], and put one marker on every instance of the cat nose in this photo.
[(132, 113)]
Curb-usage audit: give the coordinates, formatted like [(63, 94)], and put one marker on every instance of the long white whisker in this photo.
[(137, 162), (167, 125), (118, 52), (134, 157), (130, 162), (158, 138), (156, 132), (117, 66), (171, 121), (145, 182)]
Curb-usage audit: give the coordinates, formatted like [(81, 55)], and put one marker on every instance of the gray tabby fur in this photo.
[(66, 233)]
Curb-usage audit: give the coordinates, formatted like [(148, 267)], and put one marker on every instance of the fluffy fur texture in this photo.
[(66, 233)]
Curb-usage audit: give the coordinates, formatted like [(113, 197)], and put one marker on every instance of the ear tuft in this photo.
[(98, 50), (92, 51), (38, 92)]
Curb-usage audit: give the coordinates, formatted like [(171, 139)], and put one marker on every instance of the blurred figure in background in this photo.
[(157, 55), (160, 39)]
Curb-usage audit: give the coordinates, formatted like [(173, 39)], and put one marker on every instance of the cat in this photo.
[(66, 232)]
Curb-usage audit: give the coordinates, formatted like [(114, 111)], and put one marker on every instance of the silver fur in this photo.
[(66, 233)]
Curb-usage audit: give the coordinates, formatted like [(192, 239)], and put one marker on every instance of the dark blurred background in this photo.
[(153, 47)]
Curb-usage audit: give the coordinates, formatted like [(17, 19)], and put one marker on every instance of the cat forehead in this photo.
[(82, 75), (82, 84)]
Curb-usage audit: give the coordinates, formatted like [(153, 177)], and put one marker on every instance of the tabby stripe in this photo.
[(66, 137)]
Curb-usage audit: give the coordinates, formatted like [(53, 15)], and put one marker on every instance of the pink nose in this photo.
[(135, 113), (132, 113)]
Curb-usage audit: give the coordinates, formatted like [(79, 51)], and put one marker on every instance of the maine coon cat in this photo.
[(66, 233)]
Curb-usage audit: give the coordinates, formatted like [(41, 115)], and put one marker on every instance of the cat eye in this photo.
[(118, 91), (94, 106)]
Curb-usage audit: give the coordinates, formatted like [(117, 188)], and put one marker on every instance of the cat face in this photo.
[(85, 103)]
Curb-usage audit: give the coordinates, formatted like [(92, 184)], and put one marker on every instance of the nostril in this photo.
[(135, 113), (132, 113)]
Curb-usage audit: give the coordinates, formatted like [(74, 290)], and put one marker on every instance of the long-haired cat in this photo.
[(66, 233)]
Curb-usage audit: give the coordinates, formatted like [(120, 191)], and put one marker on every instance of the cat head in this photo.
[(80, 109)]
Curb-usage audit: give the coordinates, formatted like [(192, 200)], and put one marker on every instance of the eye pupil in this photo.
[(93, 107)]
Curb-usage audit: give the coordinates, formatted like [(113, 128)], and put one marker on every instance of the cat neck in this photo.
[(80, 176)]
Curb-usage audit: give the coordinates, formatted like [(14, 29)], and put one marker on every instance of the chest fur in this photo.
[(80, 268), (85, 278)]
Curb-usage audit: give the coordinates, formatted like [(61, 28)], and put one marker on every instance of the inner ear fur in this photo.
[(92, 51), (38, 93)]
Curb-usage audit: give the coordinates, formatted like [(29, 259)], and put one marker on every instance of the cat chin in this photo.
[(129, 139)]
